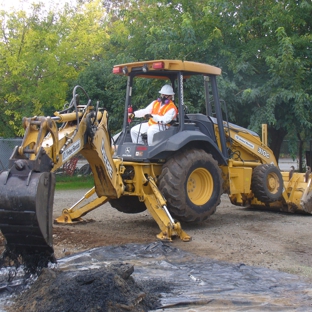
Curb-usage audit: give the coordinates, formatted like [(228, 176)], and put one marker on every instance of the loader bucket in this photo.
[(298, 192), (26, 205)]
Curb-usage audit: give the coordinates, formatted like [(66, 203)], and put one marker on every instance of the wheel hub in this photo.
[(199, 186), (273, 184)]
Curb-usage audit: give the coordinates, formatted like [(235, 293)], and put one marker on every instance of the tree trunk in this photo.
[(276, 138), (300, 155)]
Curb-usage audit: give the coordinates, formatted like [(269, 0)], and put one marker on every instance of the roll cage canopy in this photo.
[(176, 71), (155, 69)]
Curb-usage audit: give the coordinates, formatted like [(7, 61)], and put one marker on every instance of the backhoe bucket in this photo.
[(26, 205)]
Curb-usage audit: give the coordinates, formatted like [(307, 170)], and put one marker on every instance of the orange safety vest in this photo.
[(161, 110)]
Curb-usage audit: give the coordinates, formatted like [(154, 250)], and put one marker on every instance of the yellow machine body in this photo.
[(232, 160)]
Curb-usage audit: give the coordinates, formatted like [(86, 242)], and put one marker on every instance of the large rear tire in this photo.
[(191, 182), (267, 183), (128, 204)]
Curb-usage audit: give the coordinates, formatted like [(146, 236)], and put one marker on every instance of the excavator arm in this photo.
[(27, 187)]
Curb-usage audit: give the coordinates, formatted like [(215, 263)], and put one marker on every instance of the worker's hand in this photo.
[(148, 116), (131, 116)]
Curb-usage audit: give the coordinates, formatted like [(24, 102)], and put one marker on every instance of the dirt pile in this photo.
[(111, 289)]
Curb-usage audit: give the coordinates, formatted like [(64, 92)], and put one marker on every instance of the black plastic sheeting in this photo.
[(200, 284)]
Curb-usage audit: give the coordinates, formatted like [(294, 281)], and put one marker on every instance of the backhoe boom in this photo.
[(27, 188)]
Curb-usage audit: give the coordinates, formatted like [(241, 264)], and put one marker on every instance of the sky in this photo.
[(8, 5)]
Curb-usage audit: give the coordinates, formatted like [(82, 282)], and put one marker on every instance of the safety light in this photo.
[(125, 70), (117, 70), (158, 65), (141, 148)]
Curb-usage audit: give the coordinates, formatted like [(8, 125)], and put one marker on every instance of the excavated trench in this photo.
[(151, 277)]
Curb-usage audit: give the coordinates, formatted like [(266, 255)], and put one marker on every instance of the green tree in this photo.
[(145, 30), (106, 88), (265, 54), (263, 48), (41, 54)]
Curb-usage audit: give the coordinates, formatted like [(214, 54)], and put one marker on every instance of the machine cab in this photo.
[(187, 129)]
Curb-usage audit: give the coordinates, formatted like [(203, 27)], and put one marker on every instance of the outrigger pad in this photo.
[(26, 206)]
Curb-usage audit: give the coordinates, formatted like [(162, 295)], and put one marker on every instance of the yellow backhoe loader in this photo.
[(178, 177)]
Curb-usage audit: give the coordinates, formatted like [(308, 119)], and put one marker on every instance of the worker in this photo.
[(307, 174), (159, 114), (291, 172)]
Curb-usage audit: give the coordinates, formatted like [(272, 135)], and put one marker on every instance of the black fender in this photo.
[(187, 138)]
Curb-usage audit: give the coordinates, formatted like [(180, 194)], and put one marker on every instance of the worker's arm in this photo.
[(144, 111), (166, 118)]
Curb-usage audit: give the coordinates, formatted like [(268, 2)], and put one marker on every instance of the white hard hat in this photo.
[(166, 90)]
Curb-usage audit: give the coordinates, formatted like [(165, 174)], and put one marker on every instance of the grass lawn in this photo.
[(65, 182)]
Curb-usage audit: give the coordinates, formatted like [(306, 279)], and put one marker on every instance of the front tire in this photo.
[(191, 182)]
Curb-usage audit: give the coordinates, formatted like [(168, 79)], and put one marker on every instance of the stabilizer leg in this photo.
[(156, 205), (73, 215)]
